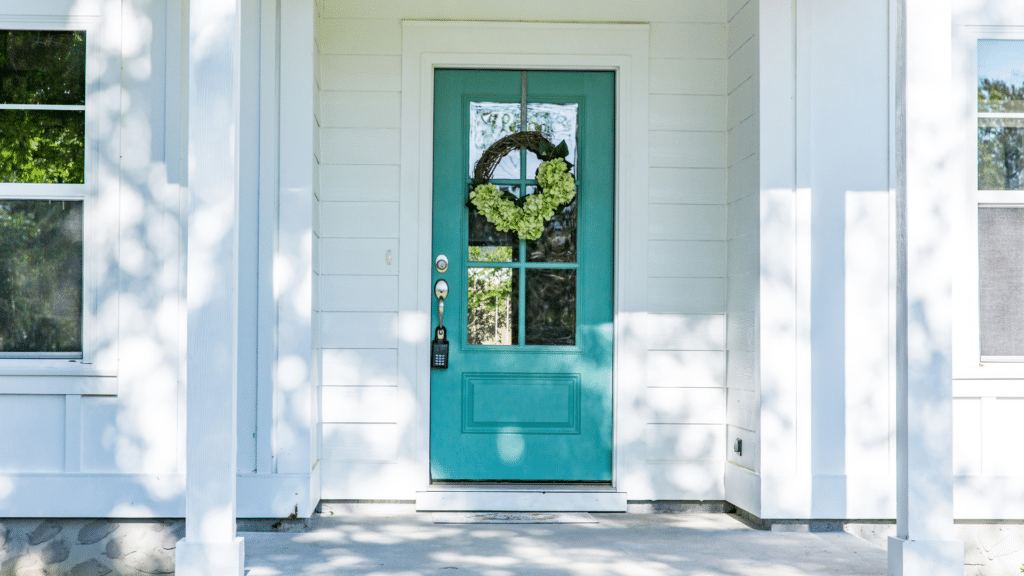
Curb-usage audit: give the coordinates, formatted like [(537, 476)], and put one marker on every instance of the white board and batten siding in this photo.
[(365, 429)]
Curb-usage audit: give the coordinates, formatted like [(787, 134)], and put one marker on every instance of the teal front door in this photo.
[(527, 395)]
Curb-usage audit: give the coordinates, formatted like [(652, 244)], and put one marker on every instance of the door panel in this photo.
[(527, 395)]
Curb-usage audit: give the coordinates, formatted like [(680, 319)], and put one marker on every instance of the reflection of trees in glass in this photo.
[(42, 146), (40, 276), (42, 68), (492, 308), (1000, 140)]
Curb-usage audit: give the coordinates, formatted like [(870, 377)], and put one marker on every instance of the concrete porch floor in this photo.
[(404, 543)]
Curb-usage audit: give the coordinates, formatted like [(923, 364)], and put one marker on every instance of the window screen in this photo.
[(1001, 286)]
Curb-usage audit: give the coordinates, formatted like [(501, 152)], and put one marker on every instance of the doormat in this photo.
[(513, 518)]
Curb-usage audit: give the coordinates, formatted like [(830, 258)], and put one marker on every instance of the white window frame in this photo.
[(968, 363), (95, 373)]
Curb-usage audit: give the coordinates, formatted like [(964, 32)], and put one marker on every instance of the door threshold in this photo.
[(528, 498)]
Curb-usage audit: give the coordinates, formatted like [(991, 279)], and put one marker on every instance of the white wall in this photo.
[(744, 256), (368, 443)]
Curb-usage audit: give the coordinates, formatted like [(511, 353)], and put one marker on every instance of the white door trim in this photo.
[(623, 48)]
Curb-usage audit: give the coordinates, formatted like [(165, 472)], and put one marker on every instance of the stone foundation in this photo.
[(84, 547)]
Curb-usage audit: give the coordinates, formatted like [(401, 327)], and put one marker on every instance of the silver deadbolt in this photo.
[(441, 264)]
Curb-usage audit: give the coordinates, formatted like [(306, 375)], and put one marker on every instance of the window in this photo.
[(44, 188), (1000, 198)]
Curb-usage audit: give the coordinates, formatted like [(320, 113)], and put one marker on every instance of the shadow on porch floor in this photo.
[(403, 543)]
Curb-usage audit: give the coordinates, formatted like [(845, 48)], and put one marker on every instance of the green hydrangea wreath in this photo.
[(527, 215)]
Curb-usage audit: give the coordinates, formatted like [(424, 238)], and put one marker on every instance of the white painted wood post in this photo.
[(210, 546), (924, 544)]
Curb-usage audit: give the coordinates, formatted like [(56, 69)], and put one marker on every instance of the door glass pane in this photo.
[(42, 67), (551, 307), (558, 241), (40, 276), (492, 304), (488, 123), (557, 122), (486, 243), (1001, 76), (42, 146), (1000, 153), (1001, 281)]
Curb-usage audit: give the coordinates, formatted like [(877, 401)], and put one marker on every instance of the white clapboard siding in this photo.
[(358, 256), (744, 216), (749, 455), (31, 433), (678, 76), (360, 109), (742, 64), (742, 330), (687, 185), (743, 178), (742, 103), (360, 36), (361, 145), (684, 480), (359, 293), (688, 39), (743, 254), (685, 442), (363, 367), (366, 442), (361, 73), (742, 370), (359, 329), (539, 10), (350, 404), (686, 332), (742, 26), (734, 6), (671, 149), (687, 222), (967, 441), (687, 112), (743, 408), (686, 369), (686, 258), (686, 295), (686, 405), (360, 219), (743, 141), (341, 183)]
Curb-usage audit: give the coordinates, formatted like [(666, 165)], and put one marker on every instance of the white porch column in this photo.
[(925, 544), (210, 546)]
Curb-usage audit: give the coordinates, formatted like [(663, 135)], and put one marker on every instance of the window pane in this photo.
[(1000, 76), (42, 146), (1001, 282), (486, 243), (42, 67), (557, 122), (493, 307), (40, 276), (488, 123), (558, 241), (551, 307)]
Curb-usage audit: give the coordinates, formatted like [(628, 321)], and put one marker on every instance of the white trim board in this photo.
[(622, 48), (464, 499)]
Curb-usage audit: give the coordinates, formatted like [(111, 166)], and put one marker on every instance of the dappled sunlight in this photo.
[(618, 545)]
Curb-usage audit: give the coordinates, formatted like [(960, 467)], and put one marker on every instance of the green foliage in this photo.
[(526, 216), (42, 146), (40, 276), (1000, 140), (42, 67), (489, 297)]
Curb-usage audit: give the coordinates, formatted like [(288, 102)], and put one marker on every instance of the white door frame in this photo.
[(623, 48)]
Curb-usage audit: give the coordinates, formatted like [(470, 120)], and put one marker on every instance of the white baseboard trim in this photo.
[(468, 500)]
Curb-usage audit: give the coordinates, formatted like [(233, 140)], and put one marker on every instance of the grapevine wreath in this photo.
[(527, 215)]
